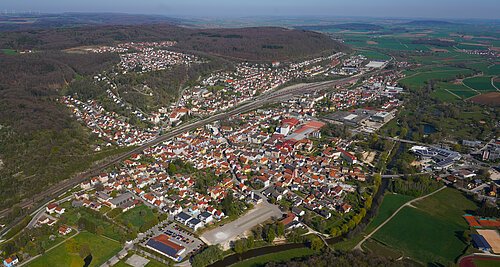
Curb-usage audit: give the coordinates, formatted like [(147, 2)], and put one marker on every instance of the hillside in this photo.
[(258, 43)]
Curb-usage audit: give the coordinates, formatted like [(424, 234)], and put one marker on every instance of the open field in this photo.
[(389, 205), (436, 222), (418, 80), (493, 70), (275, 257), (374, 55), (492, 98), (137, 216), (109, 230), (481, 83), (459, 90), (101, 249), (9, 52)]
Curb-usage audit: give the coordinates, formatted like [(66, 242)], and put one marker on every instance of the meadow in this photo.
[(101, 249), (435, 222)]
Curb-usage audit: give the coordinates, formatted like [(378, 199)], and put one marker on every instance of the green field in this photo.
[(460, 90), (481, 83), (374, 55), (417, 80), (101, 249), (9, 52), (493, 70), (110, 230), (137, 216), (275, 257), (389, 205), (436, 222)]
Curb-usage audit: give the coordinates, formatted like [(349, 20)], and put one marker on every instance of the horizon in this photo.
[(426, 9)]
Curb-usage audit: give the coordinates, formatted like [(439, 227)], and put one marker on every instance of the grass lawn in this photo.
[(101, 248), (137, 216), (275, 257), (481, 83), (436, 222)]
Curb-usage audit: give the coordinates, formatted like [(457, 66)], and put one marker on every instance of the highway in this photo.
[(270, 97)]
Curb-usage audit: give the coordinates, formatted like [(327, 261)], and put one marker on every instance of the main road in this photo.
[(270, 97)]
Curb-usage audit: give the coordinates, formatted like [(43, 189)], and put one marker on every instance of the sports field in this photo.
[(435, 222), (481, 83), (101, 249)]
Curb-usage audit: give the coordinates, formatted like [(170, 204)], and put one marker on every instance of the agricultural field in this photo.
[(275, 257), (493, 70), (9, 52), (67, 254), (374, 55), (456, 90), (481, 83), (418, 80), (435, 222)]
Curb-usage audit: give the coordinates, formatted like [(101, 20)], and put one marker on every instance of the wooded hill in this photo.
[(259, 43)]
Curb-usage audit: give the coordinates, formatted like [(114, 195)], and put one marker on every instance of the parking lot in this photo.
[(178, 236), (225, 234)]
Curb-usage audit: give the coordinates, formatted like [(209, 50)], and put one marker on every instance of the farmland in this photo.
[(481, 83), (418, 80), (434, 222), (67, 254)]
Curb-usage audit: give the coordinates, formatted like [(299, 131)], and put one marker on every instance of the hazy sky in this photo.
[(231, 8)]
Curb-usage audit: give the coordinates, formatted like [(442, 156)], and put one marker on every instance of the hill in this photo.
[(258, 43)]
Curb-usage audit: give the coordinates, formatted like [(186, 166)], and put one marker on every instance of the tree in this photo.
[(280, 229), (335, 231), (270, 235), (239, 246), (316, 243)]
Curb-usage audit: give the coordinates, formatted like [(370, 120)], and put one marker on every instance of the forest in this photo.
[(249, 44)]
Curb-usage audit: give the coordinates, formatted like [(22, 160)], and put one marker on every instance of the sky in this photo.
[(481, 9)]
